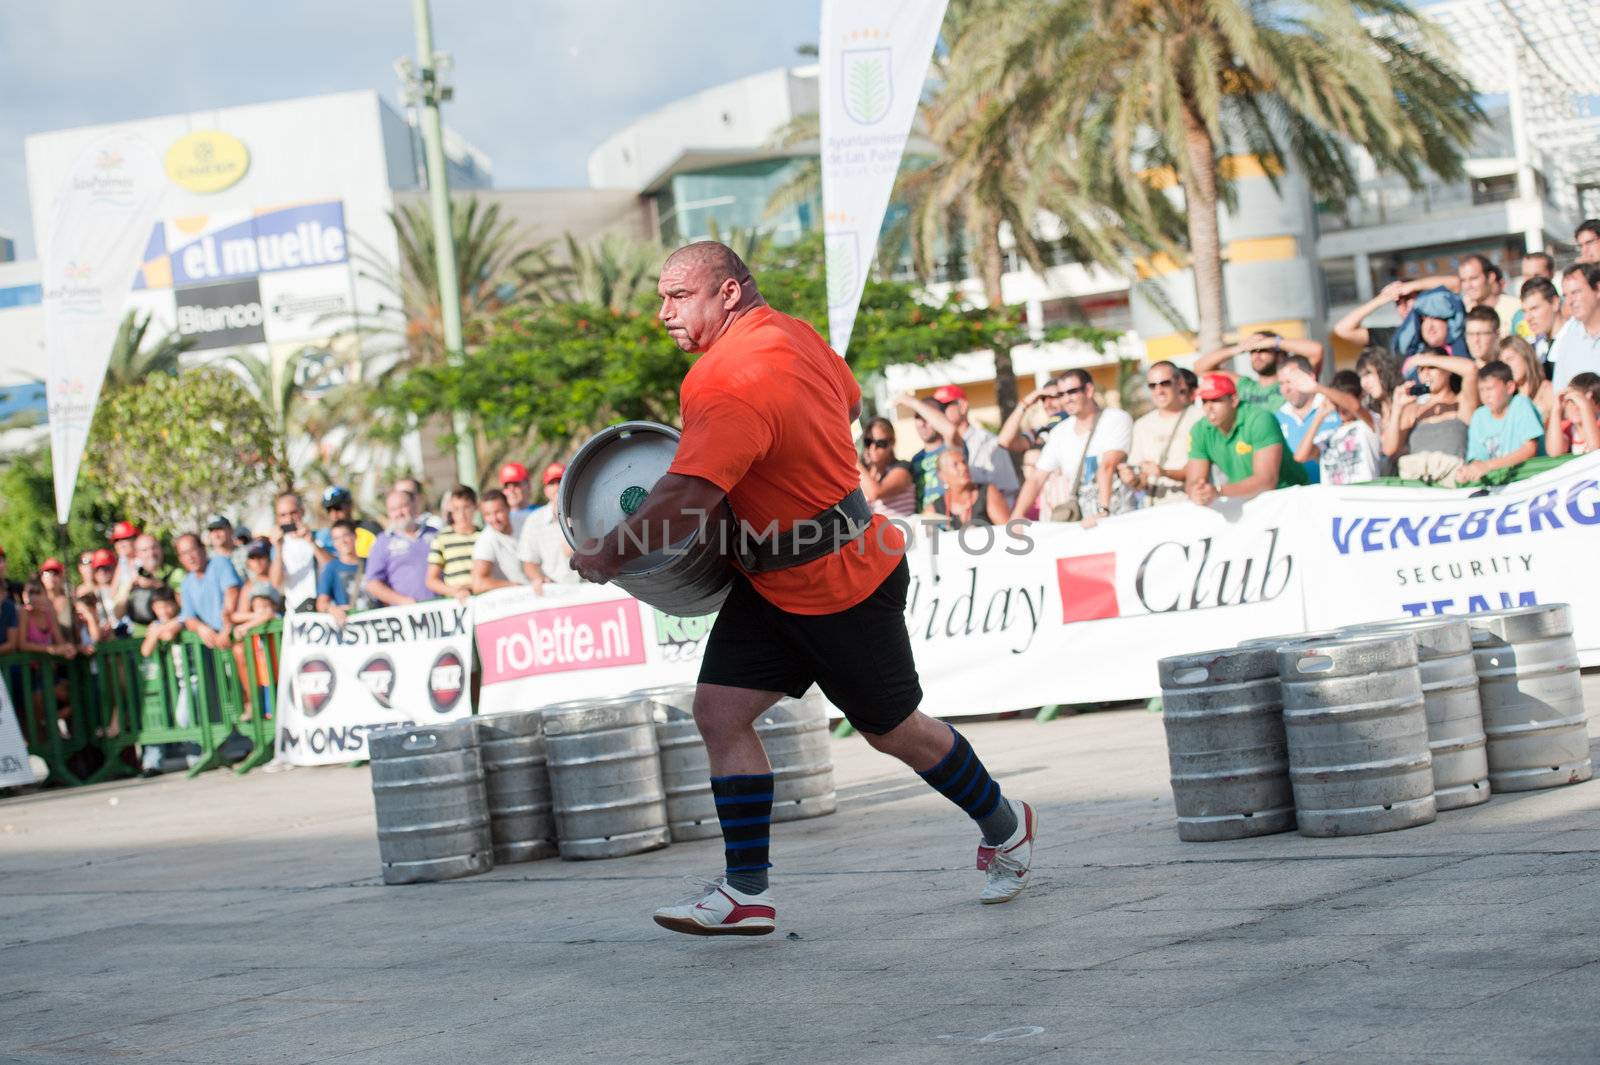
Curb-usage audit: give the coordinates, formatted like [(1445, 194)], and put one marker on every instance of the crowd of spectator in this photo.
[(228, 581), (1473, 381)]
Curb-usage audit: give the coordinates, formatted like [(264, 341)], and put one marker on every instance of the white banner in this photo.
[(999, 620), (400, 665), (14, 767), (1063, 614), (874, 59), (99, 216), (1375, 552)]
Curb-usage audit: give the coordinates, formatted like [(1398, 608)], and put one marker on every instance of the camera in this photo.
[(286, 527), (1419, 389)]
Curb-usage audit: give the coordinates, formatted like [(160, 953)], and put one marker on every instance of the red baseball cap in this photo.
[(52, 565), (949, 393), (513, 473), (1216, 385), (553, 472), (124, 530), (104, 557)]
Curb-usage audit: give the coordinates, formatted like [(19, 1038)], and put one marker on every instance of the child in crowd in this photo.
[(165, 629), (42, 634), (1573, 427), (1351, 453), (1506, 429)]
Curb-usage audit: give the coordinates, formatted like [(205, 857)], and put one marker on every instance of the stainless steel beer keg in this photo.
[(1223, 714), (608, 479)]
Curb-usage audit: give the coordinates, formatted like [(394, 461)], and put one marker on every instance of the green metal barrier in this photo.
[(116, 700)]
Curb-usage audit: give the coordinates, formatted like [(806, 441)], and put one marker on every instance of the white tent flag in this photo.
[(874, 59), (100, 221)]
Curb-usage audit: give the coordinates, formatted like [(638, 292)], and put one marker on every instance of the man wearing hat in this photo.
[(546, 556), (989, 462), (219, 531), (514, 484), (123, 535), (1242, 442), (339, 505)]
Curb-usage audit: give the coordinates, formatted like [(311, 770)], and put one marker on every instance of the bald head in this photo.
[(704, 288), (719, 262)]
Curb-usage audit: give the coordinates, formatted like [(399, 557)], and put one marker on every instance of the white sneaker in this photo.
[(1009, 864), (717, 909)]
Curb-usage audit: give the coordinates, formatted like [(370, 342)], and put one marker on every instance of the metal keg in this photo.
[(1291, 637), (518, 786), (1223, 712), (433, 814), (795, 734), (1358, 734), (607, 480), (605, 777), (1450, 696), (1533, 710), (685, 769)]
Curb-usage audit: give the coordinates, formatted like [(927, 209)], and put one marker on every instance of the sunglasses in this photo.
[(86, 560), (1159, 384), (1065, 392), (878, 442)]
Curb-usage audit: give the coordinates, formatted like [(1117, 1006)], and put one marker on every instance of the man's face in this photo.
[(953, 469), (1481, 338), (1534, 267), (1075, 396), (516, 495), (400, 510), (1265, 361), (1435, 332), (1588, 247), (1220, 411), (1474, 282), (1495, 394), (1166, 388), (956, 411), (496, 515), (925, 432), (1539, 313), (461, 511), (339, 513), (1051, 399), (148, 553), (344, 541), (694, 307), (189, 555), (1578, 297), (289, 511)]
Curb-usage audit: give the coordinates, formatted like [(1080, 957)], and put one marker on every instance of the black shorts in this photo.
[(860, 657)]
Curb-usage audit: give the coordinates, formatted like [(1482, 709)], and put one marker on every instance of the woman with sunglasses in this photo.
[(885, 481)]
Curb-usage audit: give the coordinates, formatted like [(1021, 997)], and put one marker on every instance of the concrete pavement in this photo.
[(241, 920)]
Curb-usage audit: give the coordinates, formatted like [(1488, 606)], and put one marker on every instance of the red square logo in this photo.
[(1088, 587)]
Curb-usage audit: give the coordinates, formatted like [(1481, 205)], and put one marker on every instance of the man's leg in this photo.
[(944, 758), (741, 778)]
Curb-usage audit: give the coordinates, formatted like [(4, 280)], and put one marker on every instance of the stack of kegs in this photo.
[(586, 778), (1374, 727)]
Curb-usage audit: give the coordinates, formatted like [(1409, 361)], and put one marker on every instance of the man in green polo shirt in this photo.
[(1242, 441)]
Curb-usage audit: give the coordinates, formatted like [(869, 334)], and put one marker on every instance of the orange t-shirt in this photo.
[(766, 418)]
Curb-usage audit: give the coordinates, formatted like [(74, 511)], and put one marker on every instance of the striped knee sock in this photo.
[(744, 806), (961, 778)]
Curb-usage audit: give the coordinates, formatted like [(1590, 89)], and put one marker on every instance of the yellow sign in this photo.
[(207, 160)]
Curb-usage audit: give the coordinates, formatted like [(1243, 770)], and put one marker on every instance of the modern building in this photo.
[(270, 234), (712, 162)]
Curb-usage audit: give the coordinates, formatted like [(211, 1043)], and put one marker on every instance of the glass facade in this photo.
[(732, 197)]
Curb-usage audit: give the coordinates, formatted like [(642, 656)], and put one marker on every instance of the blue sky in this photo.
[(538, 82)]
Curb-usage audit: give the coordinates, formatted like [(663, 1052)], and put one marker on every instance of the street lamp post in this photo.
[(426, 88)]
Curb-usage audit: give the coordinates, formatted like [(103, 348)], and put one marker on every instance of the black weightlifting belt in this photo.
[(839, 525)]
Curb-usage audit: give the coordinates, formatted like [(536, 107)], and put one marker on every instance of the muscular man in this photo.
[(766, 425)]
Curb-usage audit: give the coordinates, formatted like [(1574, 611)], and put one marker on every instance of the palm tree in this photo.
[(1135, 86), (612, 272), (129, 364)]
